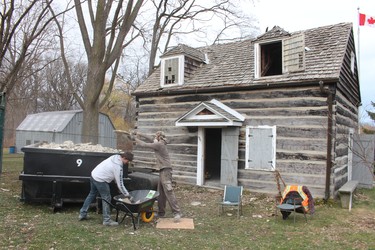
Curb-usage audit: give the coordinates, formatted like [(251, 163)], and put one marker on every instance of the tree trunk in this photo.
[(90, 123)]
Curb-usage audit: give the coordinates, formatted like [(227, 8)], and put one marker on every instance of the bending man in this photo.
[(108, 170)]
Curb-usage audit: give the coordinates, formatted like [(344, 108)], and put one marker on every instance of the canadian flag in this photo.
[(366, 20)]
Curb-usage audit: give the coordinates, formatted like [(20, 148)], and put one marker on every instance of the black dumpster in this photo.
[(57, 176), (142, 180)]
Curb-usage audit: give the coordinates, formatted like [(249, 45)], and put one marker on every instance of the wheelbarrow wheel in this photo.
[(147, 216)]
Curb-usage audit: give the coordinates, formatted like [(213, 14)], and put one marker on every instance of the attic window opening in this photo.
[(271, 59), (280, 57)]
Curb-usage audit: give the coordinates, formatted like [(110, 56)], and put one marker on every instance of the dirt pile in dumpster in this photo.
[(86, 147)]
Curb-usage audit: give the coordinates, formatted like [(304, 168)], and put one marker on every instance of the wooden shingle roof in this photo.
[(183, 49), (232, 64)]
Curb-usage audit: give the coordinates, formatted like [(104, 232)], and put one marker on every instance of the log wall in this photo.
[(300, 115)]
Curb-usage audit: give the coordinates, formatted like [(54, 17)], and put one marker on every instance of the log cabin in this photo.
[(283, 104)]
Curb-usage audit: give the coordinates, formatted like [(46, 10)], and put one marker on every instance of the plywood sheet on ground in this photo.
[(168, 223)]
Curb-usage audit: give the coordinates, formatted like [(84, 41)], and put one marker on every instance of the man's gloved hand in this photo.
[(128, 197)]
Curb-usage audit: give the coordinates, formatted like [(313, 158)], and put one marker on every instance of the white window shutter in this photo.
[(171, 70), (294, 54), (261, 148)]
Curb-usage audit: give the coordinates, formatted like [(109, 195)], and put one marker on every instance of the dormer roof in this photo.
[(183, 49), (275, 32)]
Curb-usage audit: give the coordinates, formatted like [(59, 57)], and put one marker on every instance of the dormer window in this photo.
[(279, 57), (172, 71), (271, 63)]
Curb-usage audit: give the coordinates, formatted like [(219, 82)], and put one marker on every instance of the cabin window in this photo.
[(172, 71), (279, 57), (261, 148)]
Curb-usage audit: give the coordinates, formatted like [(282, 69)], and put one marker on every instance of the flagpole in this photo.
[(358, 63)]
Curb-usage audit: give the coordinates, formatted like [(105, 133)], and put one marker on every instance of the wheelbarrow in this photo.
[(139, 207)]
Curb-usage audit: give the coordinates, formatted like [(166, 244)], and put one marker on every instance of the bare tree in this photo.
[(110, 23), (363, 153), (22, 33), (54, 93), (25, 35)]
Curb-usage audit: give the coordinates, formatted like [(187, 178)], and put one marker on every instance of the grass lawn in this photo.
[(35, 226)]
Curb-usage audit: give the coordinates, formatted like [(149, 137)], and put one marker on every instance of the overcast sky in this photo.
[(294, 15)]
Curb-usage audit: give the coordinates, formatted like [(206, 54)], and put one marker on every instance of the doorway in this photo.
[(217, 156), (212, 160)]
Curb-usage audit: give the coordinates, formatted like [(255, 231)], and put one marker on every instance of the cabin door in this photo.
[(229, 156), (217, 156)]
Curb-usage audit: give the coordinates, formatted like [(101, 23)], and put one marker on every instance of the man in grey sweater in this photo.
[(159, 145)]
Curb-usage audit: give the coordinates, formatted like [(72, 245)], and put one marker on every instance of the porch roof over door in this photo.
[(210, 114)]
